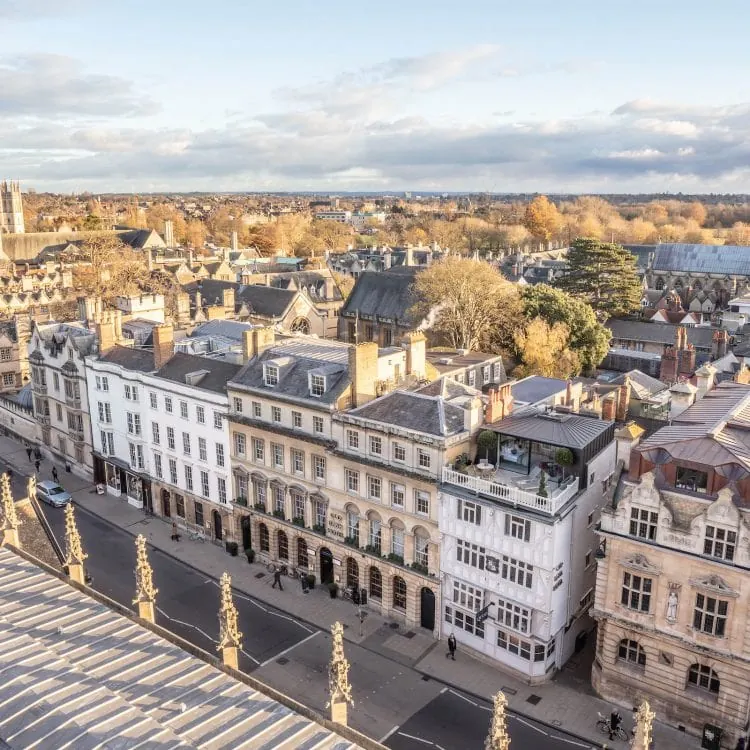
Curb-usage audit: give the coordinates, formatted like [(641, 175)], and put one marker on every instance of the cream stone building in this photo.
[(331, 478), (673, 590)]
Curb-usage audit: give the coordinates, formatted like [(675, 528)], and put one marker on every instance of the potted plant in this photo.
[(279, 514), (299, 521), (250, 554), (333, 589), (241, 500), (319, 528), (542, 490), (232, 548), (310, 581), (564, 457), (260, 506), (486, 441)]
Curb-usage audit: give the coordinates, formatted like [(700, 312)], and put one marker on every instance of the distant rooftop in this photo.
[(536, 388)]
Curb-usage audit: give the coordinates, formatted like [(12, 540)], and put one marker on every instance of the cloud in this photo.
[(45, 85), (33, 10)]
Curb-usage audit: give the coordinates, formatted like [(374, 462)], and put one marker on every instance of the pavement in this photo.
[(410, 695)]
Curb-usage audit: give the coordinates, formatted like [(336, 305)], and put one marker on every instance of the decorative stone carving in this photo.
[(640, 562), (9, 521), (498, 738), (716, 584), (74, 554), (673, 601), (145, 591), (642, 733), (230, 638), (339, 689)]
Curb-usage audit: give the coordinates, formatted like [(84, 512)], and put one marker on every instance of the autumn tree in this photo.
[(587, 337), (195, 233), (158, 214), (542, 218), (468, 303), (344, 283), (603, 274), (544, 350)]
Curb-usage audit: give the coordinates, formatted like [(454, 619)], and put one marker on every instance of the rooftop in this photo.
[(383, 295), (129, 358), (62, 656), (215, 373), (535, 388), (720, 259), (700, 337)]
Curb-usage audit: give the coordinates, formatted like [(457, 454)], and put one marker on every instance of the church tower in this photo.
[(11, 208)]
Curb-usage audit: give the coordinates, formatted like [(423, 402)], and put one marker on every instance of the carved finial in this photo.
[(339, 689), (229, 633), (498, 738), (642, 734), (145, 591), (31, 487), (10, 517), (74, 554)]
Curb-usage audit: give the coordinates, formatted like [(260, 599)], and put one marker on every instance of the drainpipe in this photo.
[(570, 578)]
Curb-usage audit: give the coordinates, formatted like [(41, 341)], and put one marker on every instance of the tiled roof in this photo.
[(130, 358), (217, 372), (536, 388), (386, 295), (414, 411), (230, 329), (566, 430), (701, 259), (659, 333), (62, 657), (266, 301), (643, 385)]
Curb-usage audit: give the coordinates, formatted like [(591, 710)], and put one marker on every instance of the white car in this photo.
[(52, 494)]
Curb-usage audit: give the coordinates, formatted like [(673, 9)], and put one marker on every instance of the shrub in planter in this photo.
[(395, 558), (333, 589), (319, 528), (250, 553), (232, 548), (299, 521), (260, 506), (419, 568), (310, 581), (279, 514), (373, 549)]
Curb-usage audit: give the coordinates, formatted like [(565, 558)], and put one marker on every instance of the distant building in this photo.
[(342, 217), (11, 209)]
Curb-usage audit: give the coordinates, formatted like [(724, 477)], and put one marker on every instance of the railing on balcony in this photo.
[(558, 496), (76, 434), (39, 387), (74, 402)]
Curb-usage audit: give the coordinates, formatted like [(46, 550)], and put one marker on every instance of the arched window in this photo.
[(265, 545), (283, 544), (704, 678), (376, 584), (660, 283), (399, 592), (302, 560), (631, 652), (352, 572)]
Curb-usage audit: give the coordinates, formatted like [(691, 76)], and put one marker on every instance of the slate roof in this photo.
[(448, 388), (720, 259), (536, 388), (566, 430), (130, 358), (414, 411), (386, 295), (229, 329), (218, 372), (643, 385), (265, 301), (659, 333), (62, 656), (296, 358)]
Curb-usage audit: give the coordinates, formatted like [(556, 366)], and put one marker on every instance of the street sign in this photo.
[(492, 564), (483, 614)]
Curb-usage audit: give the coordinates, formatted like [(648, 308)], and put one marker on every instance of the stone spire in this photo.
[(230, 638), (643, 732), (74, 554), (145, 591), (9, 519), (498, 738), (339, 689)]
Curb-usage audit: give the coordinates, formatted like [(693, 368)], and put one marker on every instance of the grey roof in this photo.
[(449, 388), (415, 411), (130, 358), (700, 337), (266, 301), (536, 388), (460, 361), (643, 385), (296, 358), (62, 656), (719, 259), (385, 295), (217, 372), (229, 329), (566, 430)]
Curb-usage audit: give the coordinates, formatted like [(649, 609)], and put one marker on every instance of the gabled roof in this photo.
[(431, 415), (230, 329), (659, 333), (643, 385), (386, 295), (217, 373), (265, 301), (129, 358)]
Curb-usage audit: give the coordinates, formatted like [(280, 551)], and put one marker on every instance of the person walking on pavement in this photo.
[(741, 744), (54, 473), (277, 579), (28, 452), (451, 647), (175, 535), (38, 453), (37, 464)]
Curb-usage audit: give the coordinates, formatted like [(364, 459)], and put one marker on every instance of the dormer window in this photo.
[(271, 375), (317, 385)]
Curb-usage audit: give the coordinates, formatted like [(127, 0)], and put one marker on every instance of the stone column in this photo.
[(230, 638), (408, 549), (308, 512), (385, 539), (145, 591), (74, 554), (9, 521), (339, 689), (432, 558)]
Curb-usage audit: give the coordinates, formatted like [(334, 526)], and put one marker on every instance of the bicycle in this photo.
[(604, 727), (351, 592), (294, 573), (197, 535)]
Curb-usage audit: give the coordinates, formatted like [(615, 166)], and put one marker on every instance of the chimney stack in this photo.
[(415, 344), (500, 404), (169, 233), (228, 299), (105, 333), (255, 340), (235, 244), (163, 345), (387, 259), (623, 400), (363, 372), (409, 261), (608, 409), (719, 344)]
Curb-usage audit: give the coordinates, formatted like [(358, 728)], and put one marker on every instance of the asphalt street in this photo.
[(395, 704)]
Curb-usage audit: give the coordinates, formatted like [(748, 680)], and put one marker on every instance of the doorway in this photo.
[(247, 541), (326, 565), (218, 533), (166, 511), (427, 609)]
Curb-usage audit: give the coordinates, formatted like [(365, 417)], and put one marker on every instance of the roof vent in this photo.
[(193, 378), (445, 361)]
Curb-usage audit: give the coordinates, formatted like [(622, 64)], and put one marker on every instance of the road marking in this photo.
[(418, 739), (530, 725), (291, 648), (443, 690), (463, 697), (386, 736)]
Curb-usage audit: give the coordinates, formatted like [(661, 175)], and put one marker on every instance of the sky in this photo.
[(430, 95)]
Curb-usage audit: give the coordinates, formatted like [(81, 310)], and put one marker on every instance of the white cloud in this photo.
[(33, 10)]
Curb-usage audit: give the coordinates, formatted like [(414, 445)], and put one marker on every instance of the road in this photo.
[(394, 702)]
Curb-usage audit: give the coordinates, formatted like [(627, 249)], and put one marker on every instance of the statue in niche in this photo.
[(673, 601)]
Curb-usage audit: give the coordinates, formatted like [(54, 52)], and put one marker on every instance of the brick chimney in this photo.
[(500, 404), (668, 365), (163, 345), (719, 344), (363, 372), (105, 333), (609, 408), (623, 400), (255, 340), (415, 344)]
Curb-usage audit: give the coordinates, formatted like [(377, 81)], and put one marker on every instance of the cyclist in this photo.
[(614, 723)]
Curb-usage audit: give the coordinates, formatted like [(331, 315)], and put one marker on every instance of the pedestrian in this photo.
[(175, 535), (54, 473), (38, 453), (303, 581), (37, 464), (277, 579), (740, 744), (451, 647), (28, 452), (10, 474)]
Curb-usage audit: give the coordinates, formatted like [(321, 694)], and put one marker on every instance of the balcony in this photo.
[(496, 489), (76, 434), (74, 402), (44, 419), (40, 388)]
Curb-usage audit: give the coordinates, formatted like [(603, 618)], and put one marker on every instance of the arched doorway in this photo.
[(352, 572), (302, 557), (218, 531), (427, 608), (166, 510), (326, 565), (245, 526)]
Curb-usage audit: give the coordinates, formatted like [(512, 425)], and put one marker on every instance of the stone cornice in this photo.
[(276, 429)]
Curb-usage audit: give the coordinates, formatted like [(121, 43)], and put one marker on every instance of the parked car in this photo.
[(53, 494)]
